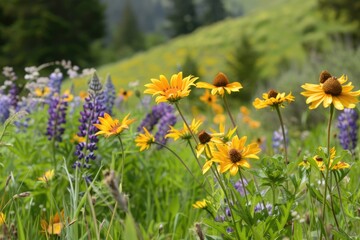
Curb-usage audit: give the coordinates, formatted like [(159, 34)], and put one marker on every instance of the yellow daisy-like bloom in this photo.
[(55, 224), (235, 154), (47, 176), (112, 127), (172, 92), (200, 204), (144, 140), (222, 134), (184, 133), (208, 98), (125, 94), (77, 139), (206, 144), (42, 92), (220, 85), (2, 218), (273, 98), (247, 119), (219, 119), (321, 165), (67, 96), (83, 95), (329, 91)]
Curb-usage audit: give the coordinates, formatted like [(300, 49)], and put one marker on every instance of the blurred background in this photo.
[(263, 44)]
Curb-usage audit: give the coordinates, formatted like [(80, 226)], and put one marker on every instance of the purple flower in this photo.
[(109, 95), (92, 109), (278, 140), (169, 119), (55, 79), (240, 188), (348, 128), (57, 118), (154, 116), (5, 103), (260, 207)]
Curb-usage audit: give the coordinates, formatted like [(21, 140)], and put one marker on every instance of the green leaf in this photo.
[(130, 228)]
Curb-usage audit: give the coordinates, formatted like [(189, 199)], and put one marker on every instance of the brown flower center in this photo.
[(324, 75), (235, 155), (221, 80), (332, 86), (204, 137), (209, 99), (272, 93), (318, 159)]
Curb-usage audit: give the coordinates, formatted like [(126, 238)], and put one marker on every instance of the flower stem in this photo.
[(341, 203), (122, 163), (187, 125), (243, 185), (229, 112), (327, 162), (193, 152), (283, 132)]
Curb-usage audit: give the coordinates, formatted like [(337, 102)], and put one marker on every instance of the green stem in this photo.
[(273, 195), (187, 125), (327, 162), (283, 132), (340, 199), (194, 153), (244, 187), (122, 163), (229, 112)]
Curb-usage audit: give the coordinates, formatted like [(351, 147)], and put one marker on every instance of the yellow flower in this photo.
[(329, 91), (208, 98), (77, 139), (200, 204), (177, 89), (320, 162), (224, 135), (144, 141), (67, 96), (219, 118), (273, 98), (235, 154), (2, 218), (83, 95), (125, 94), (42, 92), (55, 225), (247, 119), (220, 85), (47, 176), (206, 144), (110, 127), (184, 133)]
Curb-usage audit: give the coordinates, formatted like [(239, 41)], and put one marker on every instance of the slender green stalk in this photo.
[(244, 187), (93, 215), (122, 163), (327, 162), (194, 153), (187, 125), (111, 221), (273, 195), (332, 204), (229, 112), (283, 133), (341, 203)]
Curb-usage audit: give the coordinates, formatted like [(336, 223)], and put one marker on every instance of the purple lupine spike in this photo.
[(13, 90), (278, 140), (93, 108), (239, 186), (109, 95), (169, 119), (154, 116), (5, 103), (348, 129), (57, 118), (55, 79)]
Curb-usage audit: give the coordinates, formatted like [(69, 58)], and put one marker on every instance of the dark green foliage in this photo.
[(343, 9), (129, 37), (182, 17), (214, 12), (190, 67), (34, 32), (243, 67)]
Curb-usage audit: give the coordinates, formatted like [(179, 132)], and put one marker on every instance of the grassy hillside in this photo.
[(282, 34)]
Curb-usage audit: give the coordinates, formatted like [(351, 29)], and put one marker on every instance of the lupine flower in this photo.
[(109, 95), (5, 103), (55, 79), (169, 119), (125, 94), (55, 225), (145, 140), (200, 204), (272, 99), (172, 92), (278, 140), (2, 218), (184, 132), (348, 128), (329, 91), (235, 154), (48, 175), (112, 127), (154, 116), (14, 95), (239, 186), (220, 85), (57, 118), (92, 109), (319, 162), (260, 207)]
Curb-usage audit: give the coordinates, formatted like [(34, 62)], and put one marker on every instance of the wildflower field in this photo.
[(157, 161)]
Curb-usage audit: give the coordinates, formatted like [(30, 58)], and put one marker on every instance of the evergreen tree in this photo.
[(129, 36), (38, 31), (214, 12), (182, 17)]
